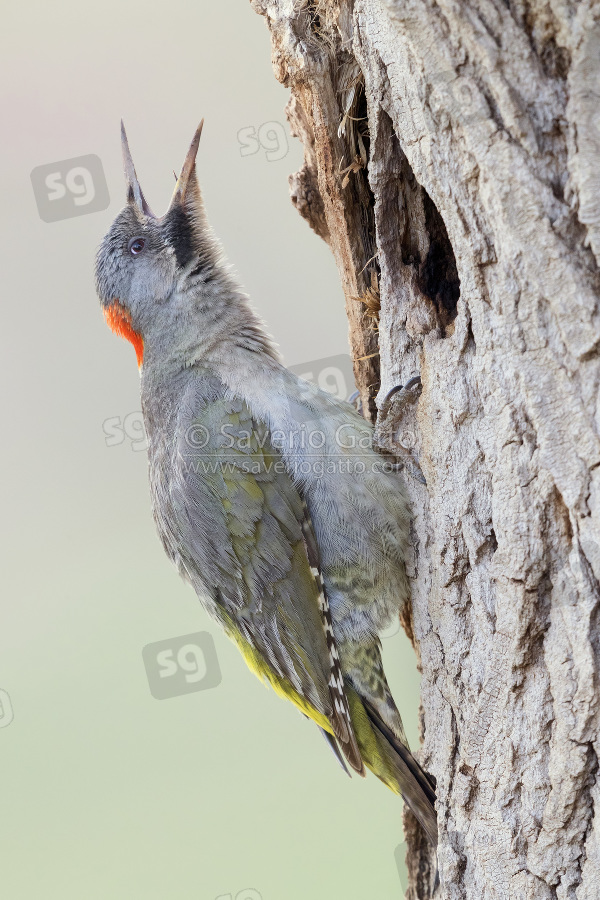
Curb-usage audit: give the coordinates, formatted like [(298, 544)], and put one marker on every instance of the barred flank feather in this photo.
[(340, 719)]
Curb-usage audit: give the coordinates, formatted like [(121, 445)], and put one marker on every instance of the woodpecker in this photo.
[(267, 493)]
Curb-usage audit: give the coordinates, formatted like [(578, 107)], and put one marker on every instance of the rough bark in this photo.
[(471, 214)]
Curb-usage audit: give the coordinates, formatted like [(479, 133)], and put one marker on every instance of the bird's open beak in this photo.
[(135, 194), (188, 168)]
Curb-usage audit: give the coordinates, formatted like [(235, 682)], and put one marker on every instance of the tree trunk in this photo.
[(452, 163)]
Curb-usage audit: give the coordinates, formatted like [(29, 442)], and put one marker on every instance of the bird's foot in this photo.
[(387, 434)]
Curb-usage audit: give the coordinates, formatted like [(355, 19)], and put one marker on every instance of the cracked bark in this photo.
[(467, 136)]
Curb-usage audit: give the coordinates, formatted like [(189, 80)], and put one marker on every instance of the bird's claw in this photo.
[(411, 383)]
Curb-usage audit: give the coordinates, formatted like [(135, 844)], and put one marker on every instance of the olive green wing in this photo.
[(239, 530)]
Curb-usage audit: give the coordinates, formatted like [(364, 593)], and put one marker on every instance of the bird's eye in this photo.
[(136, 245)]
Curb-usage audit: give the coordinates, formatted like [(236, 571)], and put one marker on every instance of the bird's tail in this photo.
[(392, 762)]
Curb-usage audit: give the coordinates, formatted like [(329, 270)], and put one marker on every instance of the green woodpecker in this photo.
[(266, 491)]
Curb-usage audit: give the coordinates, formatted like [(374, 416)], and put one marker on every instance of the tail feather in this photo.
[(333, 744), (393, 763)]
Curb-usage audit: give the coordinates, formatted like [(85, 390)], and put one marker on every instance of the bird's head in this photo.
[(144, 260)]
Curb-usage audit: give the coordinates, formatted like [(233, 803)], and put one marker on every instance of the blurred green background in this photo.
[(108, 792)]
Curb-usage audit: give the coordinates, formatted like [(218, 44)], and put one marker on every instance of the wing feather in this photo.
[(233, 521)]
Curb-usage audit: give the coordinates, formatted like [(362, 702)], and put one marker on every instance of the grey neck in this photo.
[(203, 323)]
